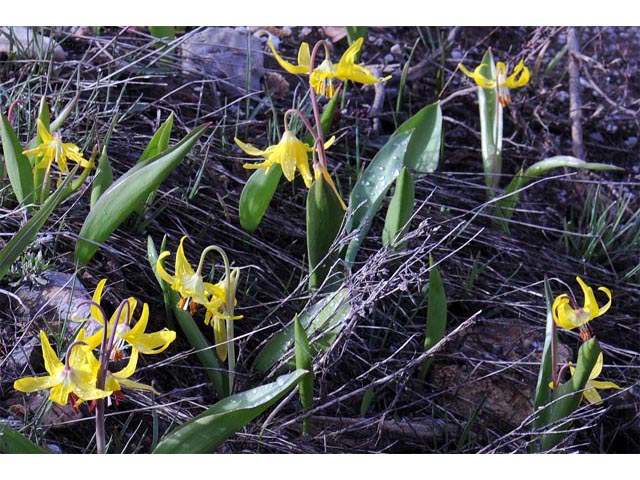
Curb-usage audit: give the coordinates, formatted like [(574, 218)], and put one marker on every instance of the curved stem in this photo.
[(228, 308), (308, 126)]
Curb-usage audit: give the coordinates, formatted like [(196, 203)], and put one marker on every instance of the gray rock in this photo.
[(24, 42), (221, 54)]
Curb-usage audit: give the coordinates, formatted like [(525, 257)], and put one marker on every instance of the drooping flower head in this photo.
[(567, 314), (51, 148), (502, 83), (592, 386), (76, 376), (216, 312), (290, 153)]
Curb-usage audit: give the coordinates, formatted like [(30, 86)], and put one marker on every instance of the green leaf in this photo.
[(103, 178), (436, 313), (354, 33), (324, 219), (400, 209), (160, 140), (18, 165), (28, 232), (507, 204), (304, 362), (366, 197), (196, 339), (545, 376), (210, 429), (326, 316), (11, 442), (490, 125), (123, 196), (423, 150), (257, 195)]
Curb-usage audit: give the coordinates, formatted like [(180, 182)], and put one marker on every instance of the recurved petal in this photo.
[(43, 133), (289, 67), (304, 57), (563, 314), (602, 310), (161, 271), (248, 148), (97, 313), (604, 385), (519, 78)]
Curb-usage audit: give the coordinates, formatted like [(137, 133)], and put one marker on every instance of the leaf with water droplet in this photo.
[(366, 197)]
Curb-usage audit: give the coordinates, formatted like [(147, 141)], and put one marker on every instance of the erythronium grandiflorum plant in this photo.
[(218, 299), (592, 386), (567, 314)]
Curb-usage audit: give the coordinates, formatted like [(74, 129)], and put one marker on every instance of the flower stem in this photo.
[(319, 137)]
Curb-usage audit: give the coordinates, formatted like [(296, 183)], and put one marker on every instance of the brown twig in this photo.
[(575, 102)]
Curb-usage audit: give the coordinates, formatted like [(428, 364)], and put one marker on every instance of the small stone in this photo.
[(305, 32), (26, 42), (221, 53), (389, 58), (396, 49)]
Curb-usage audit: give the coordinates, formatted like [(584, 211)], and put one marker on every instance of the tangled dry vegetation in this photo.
[(368, 396)]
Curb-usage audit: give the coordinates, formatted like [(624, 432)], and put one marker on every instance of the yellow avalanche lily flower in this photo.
[(76, 376), (186, 281), (290, 153), (567, 314), (136, 337), (592, 386), (502, 83), (321, 78), (52, 148)]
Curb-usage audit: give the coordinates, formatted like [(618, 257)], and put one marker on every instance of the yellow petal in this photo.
[(299, 69), (220, 336), (52, 363), (515, 81), (44, 133), (248, 148), (604, 385), (602, 310), (96, 313), (592, 395), (161, 271), (33, 384)]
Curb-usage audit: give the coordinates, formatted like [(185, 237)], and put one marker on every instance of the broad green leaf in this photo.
[(327, 316), (545, 375), (11, 442), (304, 362), (436, 313), (124, 195), (28, 232), (400, 209), (507, 204), (103, 178), (18, 165), (210, 429), (423, 150), (490, 125), (366, 197), (256, 196), (196, 339), (324, 219), (160, 140)]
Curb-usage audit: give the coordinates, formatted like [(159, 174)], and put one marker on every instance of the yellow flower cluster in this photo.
[(77, 376)]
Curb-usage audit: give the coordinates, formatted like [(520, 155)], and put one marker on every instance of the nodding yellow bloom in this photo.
[(502, 83), (321, 78), (185, 280), (567, 314), (135, 336), (52, 148), (77, 375), (290, 153), (215, 314)]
